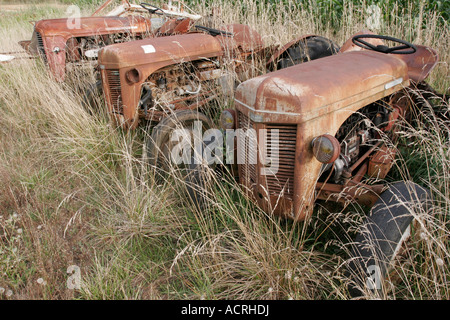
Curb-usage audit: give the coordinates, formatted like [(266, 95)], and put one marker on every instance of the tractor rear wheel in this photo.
[(308, 49)]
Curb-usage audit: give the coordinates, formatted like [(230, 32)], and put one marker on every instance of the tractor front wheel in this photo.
[(382, 235), (92, 98), (164, 149)]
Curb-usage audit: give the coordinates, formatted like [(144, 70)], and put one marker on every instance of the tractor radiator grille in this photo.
[(282, 180), (40, 46), (113, 77)]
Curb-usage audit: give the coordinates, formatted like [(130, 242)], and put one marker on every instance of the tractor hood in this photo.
[(161, 51), (89, 26), (321, 87)]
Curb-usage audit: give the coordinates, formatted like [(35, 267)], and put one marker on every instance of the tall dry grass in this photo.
[(75, 191)]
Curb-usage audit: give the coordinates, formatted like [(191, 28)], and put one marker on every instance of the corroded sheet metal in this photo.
[(165, 50), (151, 55), (243, 37), (350, 46), (91, 26), (55, 36), (381, 162), (147, 56), (420, 63), (306, 91)]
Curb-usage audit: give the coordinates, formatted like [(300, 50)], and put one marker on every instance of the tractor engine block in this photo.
[(359, 133), (181, 85)]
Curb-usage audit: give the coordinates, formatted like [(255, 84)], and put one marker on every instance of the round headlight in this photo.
[(326, 148), (133, 75), (227, 119)]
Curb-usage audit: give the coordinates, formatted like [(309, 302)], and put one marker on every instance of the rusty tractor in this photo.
[(328, 126), (75, 40)]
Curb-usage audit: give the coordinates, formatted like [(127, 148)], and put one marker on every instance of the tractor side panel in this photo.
[(55, 51)]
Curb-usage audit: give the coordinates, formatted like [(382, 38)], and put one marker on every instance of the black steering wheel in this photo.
[(151, 8), (405, 48), (215, 32)]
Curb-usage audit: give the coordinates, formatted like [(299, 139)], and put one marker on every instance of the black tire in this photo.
[(158, 144), (382, 234), (311, 48), (199, 181), (92, 98)]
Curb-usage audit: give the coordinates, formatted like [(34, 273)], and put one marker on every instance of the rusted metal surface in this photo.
[(420, 63), (350, 46), (94, 26), (355, 191), (58, 37), (308, 91), (364, 157), (175, 26), (155, 53), (315, 98), (244, 38), (381, 162), (174, 68), (61, 41), (155, 59)]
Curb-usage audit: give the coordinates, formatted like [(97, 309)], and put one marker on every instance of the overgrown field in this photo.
[(74, 190)]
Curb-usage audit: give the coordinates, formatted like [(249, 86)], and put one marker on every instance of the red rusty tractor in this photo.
[(78, 39), (329, 127)]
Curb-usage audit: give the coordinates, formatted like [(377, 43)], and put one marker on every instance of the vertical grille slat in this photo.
[(249, 166), (40, 46), (113, 77)]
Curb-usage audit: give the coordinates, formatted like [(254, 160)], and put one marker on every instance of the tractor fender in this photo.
[(283, 49), (420, 63), (244, 38), (303, 49)]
